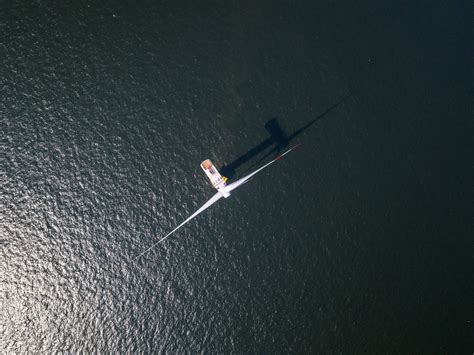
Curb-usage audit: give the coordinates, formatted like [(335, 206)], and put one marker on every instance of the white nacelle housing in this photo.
[(217, 180)]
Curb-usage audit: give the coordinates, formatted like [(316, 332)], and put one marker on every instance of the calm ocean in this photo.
[(358, 242)]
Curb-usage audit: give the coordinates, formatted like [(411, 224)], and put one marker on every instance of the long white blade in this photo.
[(208, 204), (245, 179), (216, 198)]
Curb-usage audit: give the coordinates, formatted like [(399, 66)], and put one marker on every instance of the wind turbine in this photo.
[(223, 190)]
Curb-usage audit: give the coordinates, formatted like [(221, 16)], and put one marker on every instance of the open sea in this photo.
[(359, 242)]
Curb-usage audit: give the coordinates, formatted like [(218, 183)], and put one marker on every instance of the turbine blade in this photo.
[(208, 204), (245, 179)]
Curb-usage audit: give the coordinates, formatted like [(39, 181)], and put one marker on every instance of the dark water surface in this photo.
[(357, 243)]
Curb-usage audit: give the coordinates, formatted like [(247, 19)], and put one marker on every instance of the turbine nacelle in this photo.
[(217, 180)]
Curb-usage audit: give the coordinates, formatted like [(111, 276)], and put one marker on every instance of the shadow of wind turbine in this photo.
[(277, 137)]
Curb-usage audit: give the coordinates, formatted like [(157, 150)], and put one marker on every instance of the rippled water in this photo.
[(358, 242)]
